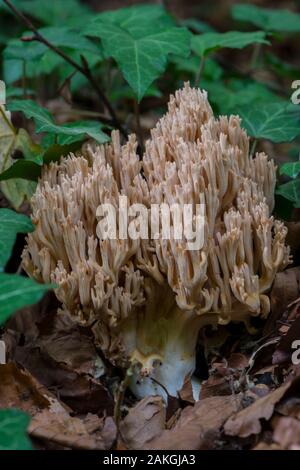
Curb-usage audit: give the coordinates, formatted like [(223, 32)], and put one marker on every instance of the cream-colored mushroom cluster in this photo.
[(146, 299)]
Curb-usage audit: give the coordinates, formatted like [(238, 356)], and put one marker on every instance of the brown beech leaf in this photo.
[(238, 361), (265, 446), (51, 420), (144, 422), (79, 391), (198, 426), (284, 291), (186, 392), (18, 389), (64, 430), (287, 433), (247, 421), (61, 356), (215, 386), (290, 407)]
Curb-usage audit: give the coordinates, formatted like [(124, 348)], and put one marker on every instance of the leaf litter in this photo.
[(250, 398)]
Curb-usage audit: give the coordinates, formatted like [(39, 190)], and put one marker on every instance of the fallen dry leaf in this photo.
[(265, 446), (80, 391), (198, 425), (144, 422), (18, 389), (186, 392), (247, 421), (238, 361), (284, 291), (51, 420), (289, 407), (65, 342), (71, 432), (287, 432)]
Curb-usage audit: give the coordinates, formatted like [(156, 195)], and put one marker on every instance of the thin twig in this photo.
[(87, 114), (24, 86), (83, 69), (253, 147), (138, 124), (200, 70), (255, 55), (120, 396)]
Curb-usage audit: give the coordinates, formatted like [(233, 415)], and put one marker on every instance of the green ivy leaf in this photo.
[(277, 122), (11, 223), (13, 430), (197, 26), (23, 169), (290, 191), (54, 13), (291, 169), (236, 93), (205, 43), (267, 19), (66, 133), (140, 40), (17, 292)]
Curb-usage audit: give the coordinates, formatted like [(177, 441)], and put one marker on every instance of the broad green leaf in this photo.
[(57, 12), (11, 223), (54, 152), (291, 169), (13, 430), (211, 70), (290, 191), (277, 122), (24, 169), (235, 93), (267, 19), (140, 40), (66, 133), (124, 91), (18, 92), (197, 26), (17, 292), (208, 42), (133, 18)]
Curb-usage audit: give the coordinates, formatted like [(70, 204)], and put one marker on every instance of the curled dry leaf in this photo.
[(144, 422), (186, 393), (238, 361), (265, 446), (284, 291), (79, 391), (61, 356), (287, 432), (198, 425), (72, 432), (51, 420), (247, 421), (18, 389)]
